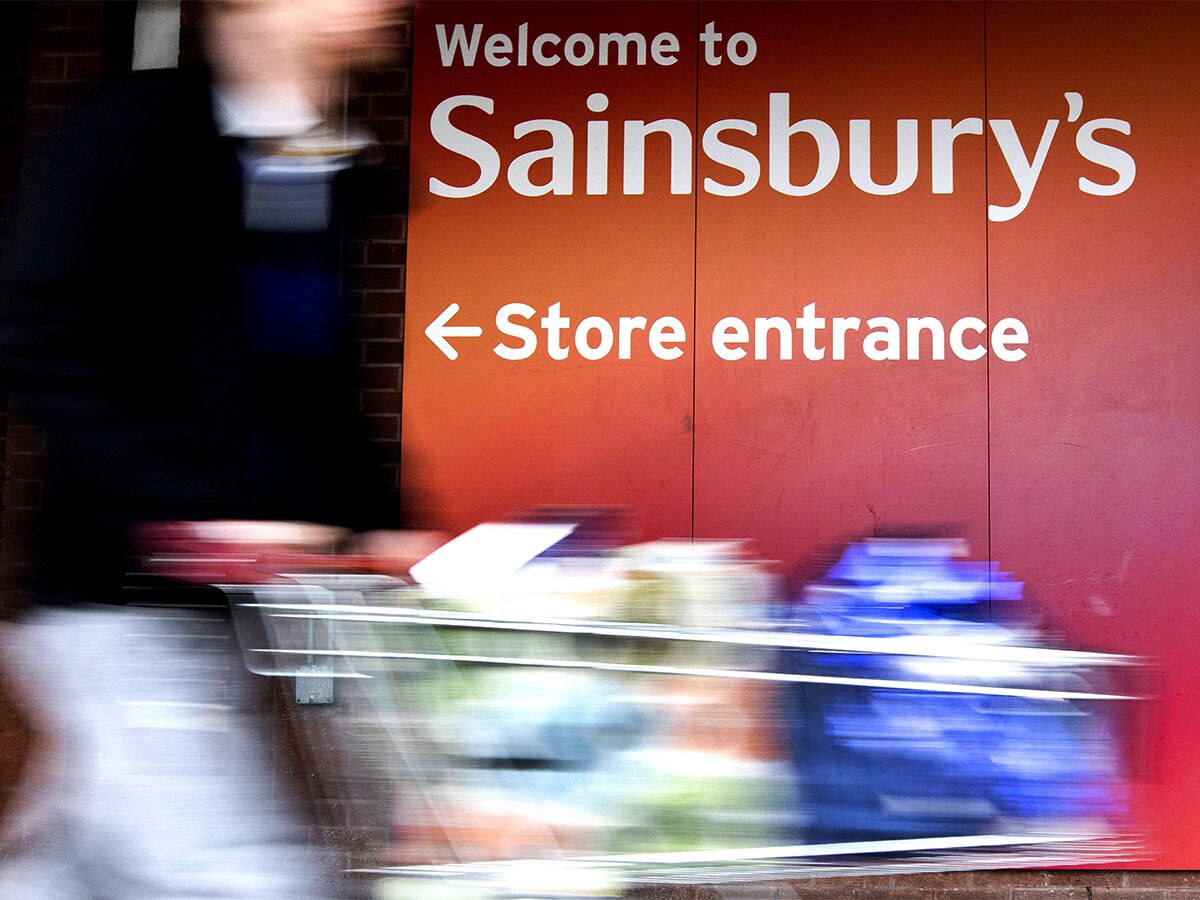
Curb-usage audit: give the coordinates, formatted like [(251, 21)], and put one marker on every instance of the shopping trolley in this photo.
[(531, 755)]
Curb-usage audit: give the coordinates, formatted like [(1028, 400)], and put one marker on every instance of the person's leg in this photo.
[(40, 869), (201, 812), (39, 839), (163, 781)]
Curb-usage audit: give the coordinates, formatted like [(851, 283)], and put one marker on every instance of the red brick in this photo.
[(941, 880), (376, 278), (381, 402), (387, 253), (381, 327), (845, 885), (42, 119), (384, 56), (383, 352), (391, 226), (667, 892), (390, 81), (86, 14), (23, 494), (395, 165), (51, 15), (387, 106), (18, 555), (381, 428), (57, 93), (809, 889), (391, 131), (1051, 893), (393, 180), (84, 66), (1013, 878), (333, 813), (370, 303), (68, 41), (354, 845), (1160, 879), (1078, 878), (25, 438), (389, 453), (12, 599), (18, 521), (380, 378), (48, 67), (392, 476), (23, 468)]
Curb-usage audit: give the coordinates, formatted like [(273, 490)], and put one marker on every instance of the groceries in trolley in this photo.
[(943, 711), (544, 689), (569, 719)]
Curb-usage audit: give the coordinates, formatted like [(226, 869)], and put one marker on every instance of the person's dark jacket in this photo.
[(125, 334)]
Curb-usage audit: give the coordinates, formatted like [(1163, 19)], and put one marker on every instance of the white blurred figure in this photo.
[(157, 781)]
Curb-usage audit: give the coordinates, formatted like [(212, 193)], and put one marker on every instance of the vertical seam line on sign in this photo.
[(695, 266), (987, 306)]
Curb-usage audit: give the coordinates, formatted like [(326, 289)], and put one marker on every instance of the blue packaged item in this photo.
[(897, 744)]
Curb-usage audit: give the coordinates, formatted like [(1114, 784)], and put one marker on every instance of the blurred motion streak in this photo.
[(174, 322), (562, 713)]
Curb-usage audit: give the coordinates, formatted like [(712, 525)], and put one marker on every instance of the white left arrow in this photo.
[(440, 329)]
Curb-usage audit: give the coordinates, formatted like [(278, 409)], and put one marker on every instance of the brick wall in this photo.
[(15, 24), (57, 51), (50, 52), (375, 253), (15, 19), (1000, 885)]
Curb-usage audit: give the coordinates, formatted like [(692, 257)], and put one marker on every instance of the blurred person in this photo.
[(174, 322)]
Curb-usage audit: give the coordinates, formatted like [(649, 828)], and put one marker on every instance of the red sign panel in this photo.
[(799, 272)]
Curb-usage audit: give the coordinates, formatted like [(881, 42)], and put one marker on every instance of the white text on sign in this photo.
[(526, 333)]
